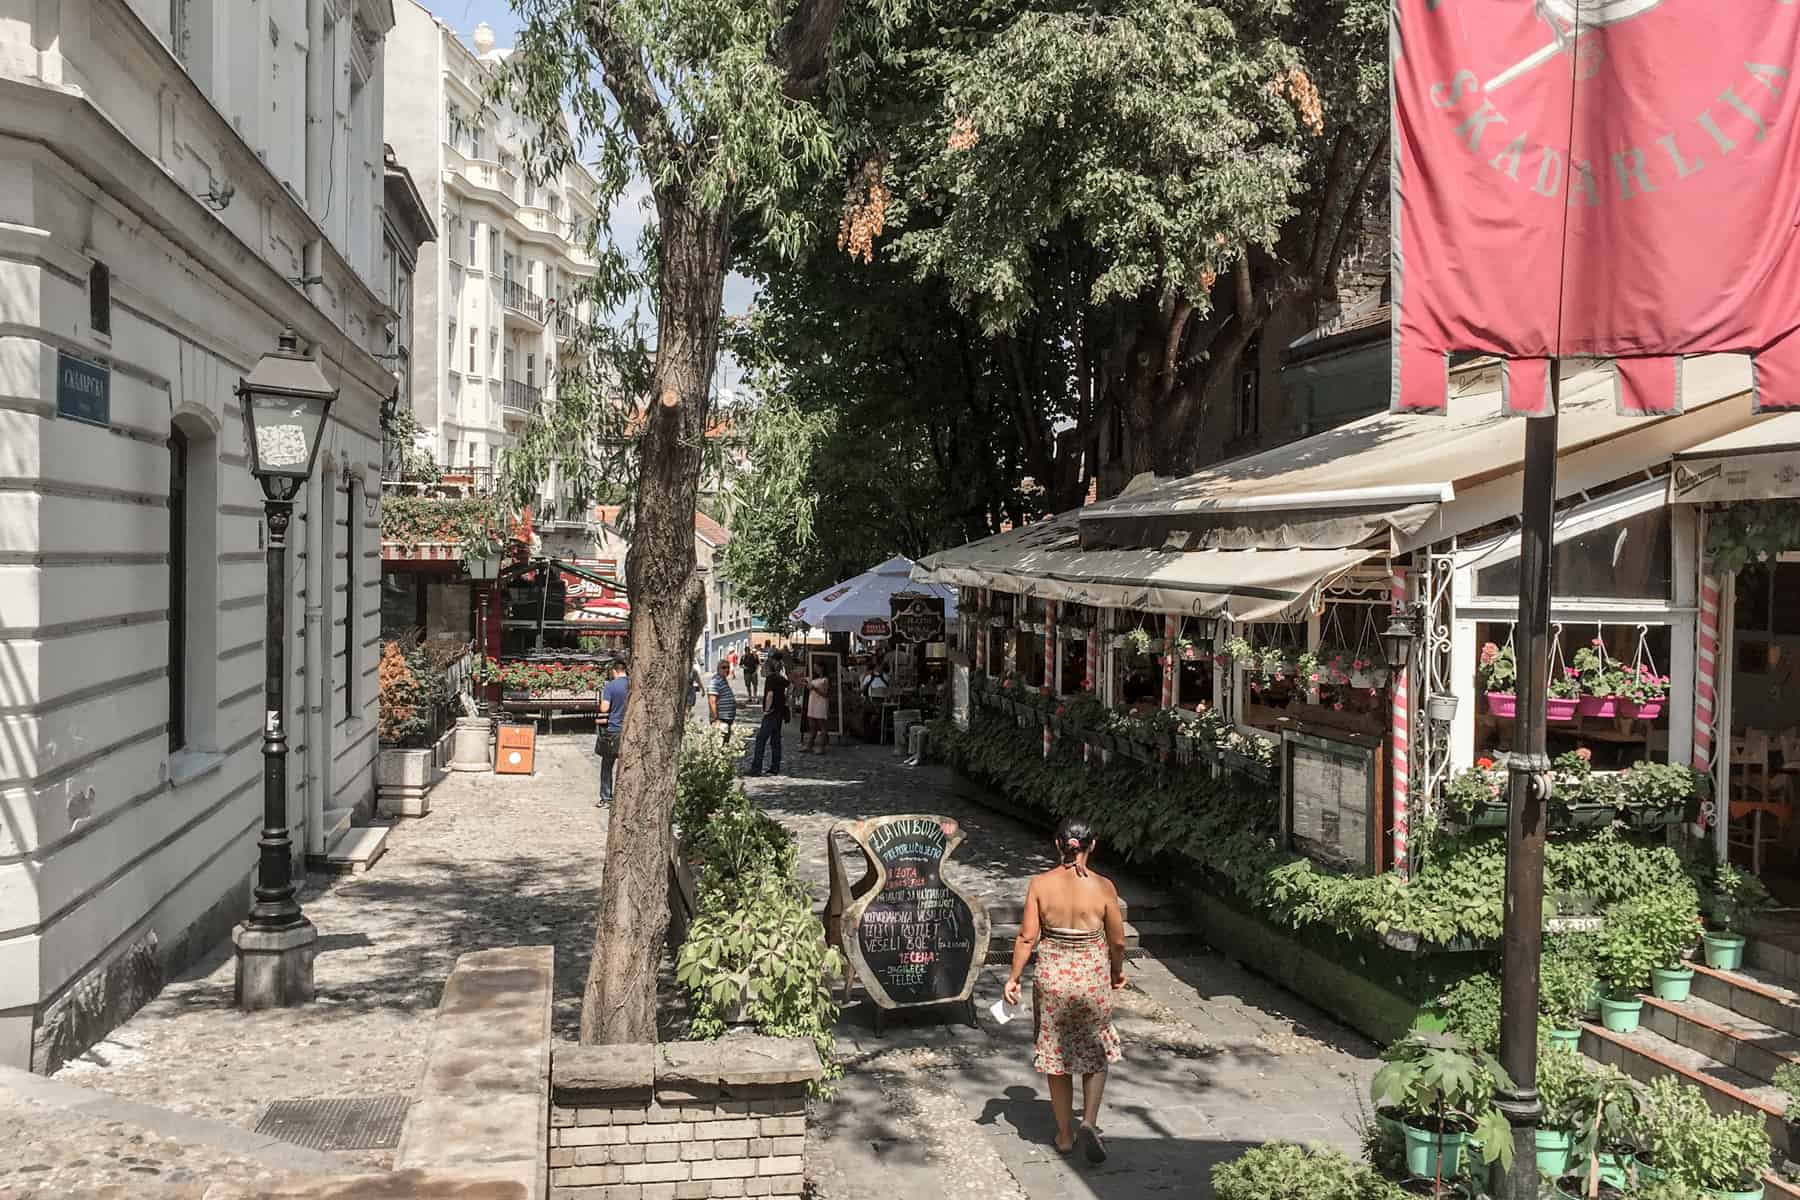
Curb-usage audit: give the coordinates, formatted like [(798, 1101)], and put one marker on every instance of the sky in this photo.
[(627, 215)]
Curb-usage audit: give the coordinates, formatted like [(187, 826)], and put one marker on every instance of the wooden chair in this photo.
[(1753, 796)]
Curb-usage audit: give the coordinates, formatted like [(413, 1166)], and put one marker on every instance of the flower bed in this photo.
[(1644, 796)]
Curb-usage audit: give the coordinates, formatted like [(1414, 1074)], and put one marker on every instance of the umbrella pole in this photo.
[(1528, 793)]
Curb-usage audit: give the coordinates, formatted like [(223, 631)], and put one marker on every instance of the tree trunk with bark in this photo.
[(668, 608)]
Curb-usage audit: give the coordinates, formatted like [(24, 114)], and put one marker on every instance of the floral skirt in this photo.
[(1071, 1001)]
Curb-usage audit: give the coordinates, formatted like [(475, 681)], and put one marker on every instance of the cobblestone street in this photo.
[(1215, 1058)]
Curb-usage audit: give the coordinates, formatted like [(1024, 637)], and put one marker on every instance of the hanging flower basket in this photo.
[(1649, 710), (1560, 708), (1598, 706), (1502, 704)]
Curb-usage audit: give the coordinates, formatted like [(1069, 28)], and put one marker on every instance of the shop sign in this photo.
[(83, 390), (918, 618), (875, 628)]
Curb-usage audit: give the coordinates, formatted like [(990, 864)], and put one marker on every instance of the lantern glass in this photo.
[(484, 568), (1397, 640), (286, 432)]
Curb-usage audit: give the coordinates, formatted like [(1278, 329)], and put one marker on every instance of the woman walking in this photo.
[(1072, 918)]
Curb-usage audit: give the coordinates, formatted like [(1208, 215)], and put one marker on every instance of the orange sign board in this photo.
[(515, 749)]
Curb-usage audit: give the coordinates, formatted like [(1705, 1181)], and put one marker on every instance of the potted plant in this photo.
[(1642, 691), (1561, 1085), (1655, 795), (1723, 1156), (1732, 896), (1564, 696), (1608, 1111), (1477, 796), (1787, 1079), (1440, 707), (1602, 680), (1624, 957), (1565, 981), (1499, 675), (1445, 1091), (1668, 920)]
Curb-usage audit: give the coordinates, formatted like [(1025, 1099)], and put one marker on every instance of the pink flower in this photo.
[(1584, 754), (1339, 706), (1493, 789), (1489, 652)]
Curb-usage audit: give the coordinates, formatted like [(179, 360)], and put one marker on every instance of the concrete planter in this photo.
[(471, 741), (403, 778)]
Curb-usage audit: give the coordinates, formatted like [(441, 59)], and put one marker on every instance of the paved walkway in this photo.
[(1216, 1060), (500, 860)]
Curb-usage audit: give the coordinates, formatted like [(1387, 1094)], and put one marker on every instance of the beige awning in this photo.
[(1758, 462), (1046, 559)]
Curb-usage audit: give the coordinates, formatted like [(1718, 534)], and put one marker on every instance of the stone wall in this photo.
[(680, 1120)]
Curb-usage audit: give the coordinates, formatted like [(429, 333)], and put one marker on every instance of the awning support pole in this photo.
[(1528, 794)]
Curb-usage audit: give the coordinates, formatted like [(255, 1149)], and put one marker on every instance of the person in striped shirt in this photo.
[(721, 701)]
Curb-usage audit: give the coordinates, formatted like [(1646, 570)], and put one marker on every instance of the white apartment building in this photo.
[(491, 302), (179, 181)]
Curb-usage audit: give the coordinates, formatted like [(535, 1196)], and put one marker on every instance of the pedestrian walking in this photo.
[(1072, 917), (721, 701), (818, 710), (612, 723), (768, 732), (751, 664)]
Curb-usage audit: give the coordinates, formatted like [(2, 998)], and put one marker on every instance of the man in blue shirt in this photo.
[(612, 721), (721, 701)]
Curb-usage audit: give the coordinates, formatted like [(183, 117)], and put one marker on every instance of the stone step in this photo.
[(1752, 992), (1722, 1035), (1777, 953), (355, 849), (1646, 1054)]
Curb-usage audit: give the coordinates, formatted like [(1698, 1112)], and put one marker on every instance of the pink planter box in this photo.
[(1502, 704), (1598, 706), (1560, 708)]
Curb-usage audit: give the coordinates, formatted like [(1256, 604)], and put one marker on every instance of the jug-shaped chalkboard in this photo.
[(913, 936)]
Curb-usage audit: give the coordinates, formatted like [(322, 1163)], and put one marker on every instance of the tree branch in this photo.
[(1352, 217), (804, 47), (628, 80), (1334, 187)]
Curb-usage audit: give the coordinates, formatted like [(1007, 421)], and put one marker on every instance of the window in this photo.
[(493, 249), (178, 30), (453, 125), (1248, 389), (100, 299), (508, 372), (1630, 559), (451, 352), (474, 347), (350, 551), (178, 523), (493, 347), (450, 453), (531, 370), (507, 273), (474, 228)]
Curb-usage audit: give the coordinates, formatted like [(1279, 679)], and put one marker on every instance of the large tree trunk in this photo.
[(668, 604)]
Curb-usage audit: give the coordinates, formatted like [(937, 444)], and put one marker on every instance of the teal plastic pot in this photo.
[(1568, 1039), (1671, 983), (1755, 1193), (1724, 951), (1621, 1015), (1431, 1155), (1647, 1173), (1553, 1149), (1593, 1000), (1391, 1125)]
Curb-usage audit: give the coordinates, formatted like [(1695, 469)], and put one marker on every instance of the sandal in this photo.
[(1091, 1144)]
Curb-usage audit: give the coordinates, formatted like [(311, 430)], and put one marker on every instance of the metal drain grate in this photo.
[(337, 1123)]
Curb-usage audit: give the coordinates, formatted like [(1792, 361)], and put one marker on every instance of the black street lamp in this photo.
[(284, 400), (483, 570), (1397, 639)]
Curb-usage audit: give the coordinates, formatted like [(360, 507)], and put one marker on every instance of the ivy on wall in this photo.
[(1751, 531)]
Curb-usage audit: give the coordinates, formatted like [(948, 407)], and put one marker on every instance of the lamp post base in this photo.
[(275, 967)]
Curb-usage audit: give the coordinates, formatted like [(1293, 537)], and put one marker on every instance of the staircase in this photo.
[(1727, 1039)]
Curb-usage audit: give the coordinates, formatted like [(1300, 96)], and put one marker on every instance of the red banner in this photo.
[(1609, 178)]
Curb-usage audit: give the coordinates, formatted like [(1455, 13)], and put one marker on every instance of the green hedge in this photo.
[(1228, 826)]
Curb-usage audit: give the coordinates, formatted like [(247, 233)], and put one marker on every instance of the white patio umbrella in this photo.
[(843, 607)]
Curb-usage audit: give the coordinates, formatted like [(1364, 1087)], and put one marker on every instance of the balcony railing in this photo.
[(521, 397), (522, 300), (565, 324)]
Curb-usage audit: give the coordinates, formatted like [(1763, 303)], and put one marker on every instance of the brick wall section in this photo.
[(680, 1120)]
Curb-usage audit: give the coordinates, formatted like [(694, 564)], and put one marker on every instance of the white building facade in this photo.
[(493, 298), (179, 181)]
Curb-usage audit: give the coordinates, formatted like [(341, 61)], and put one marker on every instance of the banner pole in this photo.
[(1528, 794)]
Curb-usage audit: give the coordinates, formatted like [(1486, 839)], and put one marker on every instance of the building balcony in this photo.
[(520, 399), (522, 303), (566, 324)]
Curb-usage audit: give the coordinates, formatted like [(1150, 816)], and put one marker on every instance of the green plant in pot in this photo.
[(1722, 1156), (1607, 1111), (1624, 957), (1444, 1089), (1731, 897), (1666, 920), (1787, 1079), (1561, 1080), (1566, 980)]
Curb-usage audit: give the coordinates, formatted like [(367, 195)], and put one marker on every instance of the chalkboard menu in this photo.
[(1331, 810), (914, 937)]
